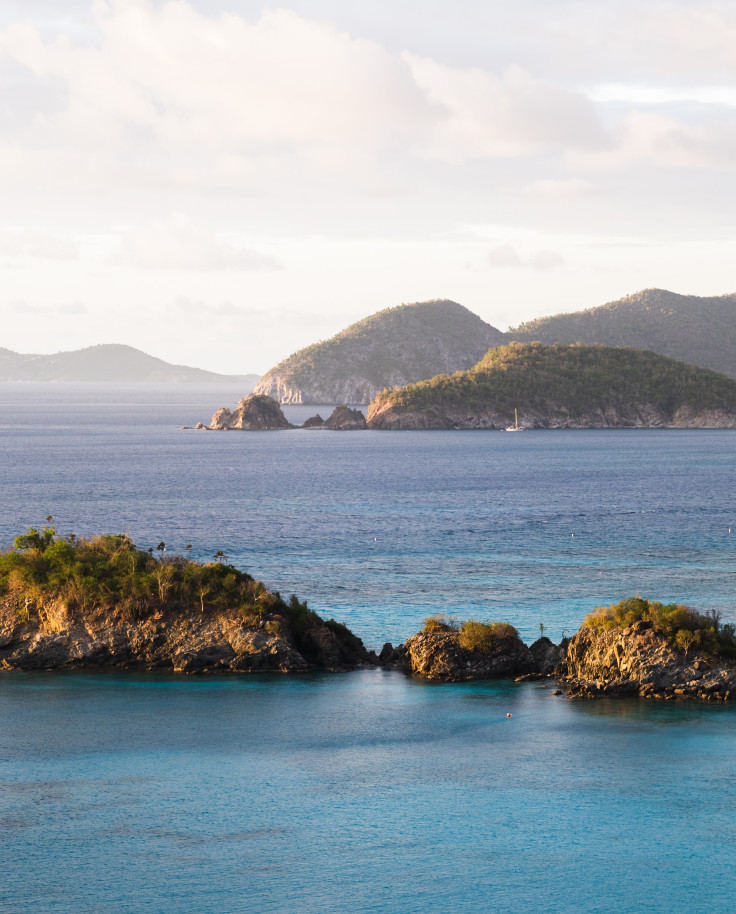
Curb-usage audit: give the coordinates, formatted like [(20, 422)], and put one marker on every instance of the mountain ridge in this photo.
[(698, 330), (106, 362)]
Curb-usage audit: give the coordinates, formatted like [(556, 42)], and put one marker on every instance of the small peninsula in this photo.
[(563, 386)]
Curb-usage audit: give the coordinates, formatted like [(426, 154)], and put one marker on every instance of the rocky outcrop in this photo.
[(345, 419), (314, 422), (640, 661), (187, 642), (253, 413), (389, 349), (438, 655)]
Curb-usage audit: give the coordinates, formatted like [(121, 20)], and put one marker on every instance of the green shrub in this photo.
[(109, 572), (483, 636), (683, 627), (438, 623)]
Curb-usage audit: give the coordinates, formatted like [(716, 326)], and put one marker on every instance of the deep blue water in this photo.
[(381, 529), (369, 791)]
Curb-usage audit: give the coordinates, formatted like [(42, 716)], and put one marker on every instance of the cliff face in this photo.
[(389, 349), (563, 387), (639, 661), (214, 641), (253, 413)]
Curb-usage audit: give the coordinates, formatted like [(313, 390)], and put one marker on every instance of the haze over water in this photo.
[(369, 791)]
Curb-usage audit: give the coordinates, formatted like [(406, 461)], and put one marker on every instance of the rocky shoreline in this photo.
[(634, 661), (262, 413)]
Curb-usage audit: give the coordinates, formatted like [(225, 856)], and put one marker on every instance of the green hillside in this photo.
[(689, 328), (393, 347), (559, 384)]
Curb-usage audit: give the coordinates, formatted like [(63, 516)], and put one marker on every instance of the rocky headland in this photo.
[(637, 660), (102, 603), (391, 348)]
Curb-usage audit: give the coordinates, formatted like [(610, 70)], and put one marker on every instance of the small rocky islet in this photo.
[(101, 603)]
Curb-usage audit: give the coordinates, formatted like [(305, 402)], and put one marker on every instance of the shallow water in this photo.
[(369, 791), (359, 792)]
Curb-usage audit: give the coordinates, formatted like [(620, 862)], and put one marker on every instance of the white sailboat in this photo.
[(515, 427)]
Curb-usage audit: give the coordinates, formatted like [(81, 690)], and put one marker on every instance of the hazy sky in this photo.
[(221, 183)]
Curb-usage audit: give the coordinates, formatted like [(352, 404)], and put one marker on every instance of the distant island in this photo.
[(78, 603), (562, 386), (109, 362), (391, 348), (412, 343)]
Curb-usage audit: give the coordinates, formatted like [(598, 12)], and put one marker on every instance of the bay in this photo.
[(368, 791)]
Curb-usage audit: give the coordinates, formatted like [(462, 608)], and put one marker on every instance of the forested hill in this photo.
[(700, 331), (394, 347), (108, 362), (563, 386)]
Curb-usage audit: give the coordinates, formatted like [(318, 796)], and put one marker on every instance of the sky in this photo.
[(221, 183)]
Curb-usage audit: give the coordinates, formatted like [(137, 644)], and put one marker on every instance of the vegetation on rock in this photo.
[(471, 635), (683, 627), (562, 383), (106, 572)]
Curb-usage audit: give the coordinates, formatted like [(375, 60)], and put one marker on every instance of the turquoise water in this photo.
[(362, 792), (369, 791)]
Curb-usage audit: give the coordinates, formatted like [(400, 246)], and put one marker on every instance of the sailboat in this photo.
[(515, 427)]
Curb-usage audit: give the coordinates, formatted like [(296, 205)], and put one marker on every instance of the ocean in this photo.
[(369, 791)]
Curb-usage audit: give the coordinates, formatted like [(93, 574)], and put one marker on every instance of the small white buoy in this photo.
[(572, 536)]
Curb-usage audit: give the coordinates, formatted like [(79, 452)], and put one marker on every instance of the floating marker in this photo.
[(508, 714)]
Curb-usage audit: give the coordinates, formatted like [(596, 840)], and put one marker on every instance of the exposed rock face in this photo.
[(389, 349), (639, 661), (315, 422), (554, 416), (253, 413), (211, 641), (438, 655), (345, 419)]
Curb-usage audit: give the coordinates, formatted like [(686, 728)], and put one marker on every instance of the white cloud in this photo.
[(34, 244), (506, 256), (486, 115), (209, 101), (69, 309), (179, 244), (558, 190)]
